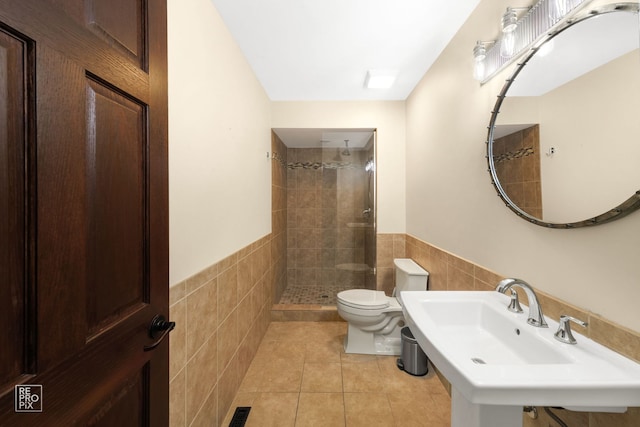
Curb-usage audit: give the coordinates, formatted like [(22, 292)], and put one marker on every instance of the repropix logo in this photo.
[(28, 398)]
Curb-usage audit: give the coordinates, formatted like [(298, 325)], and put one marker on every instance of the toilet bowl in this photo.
[(375, 319)]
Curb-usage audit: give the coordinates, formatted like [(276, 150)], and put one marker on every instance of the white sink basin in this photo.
[(491, 356)]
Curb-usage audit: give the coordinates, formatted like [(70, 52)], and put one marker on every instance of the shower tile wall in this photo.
[(325, 235), (517, 161), (279, 214)]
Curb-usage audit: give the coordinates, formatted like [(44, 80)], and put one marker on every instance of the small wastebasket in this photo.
[(412, 359)]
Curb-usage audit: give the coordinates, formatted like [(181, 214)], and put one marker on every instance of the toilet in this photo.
[(375, 319)]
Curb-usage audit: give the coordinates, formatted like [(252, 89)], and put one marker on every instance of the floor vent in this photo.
[(240, 416)]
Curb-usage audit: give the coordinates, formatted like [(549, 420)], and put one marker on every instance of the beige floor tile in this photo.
[(320, 410), (300, 332), (357, 358), (441, 407), (280, 378), (411, 410), (252, 379), (367, 410), (275, 331), (361, 377), (270, 352), (273, 410), (331, 331), (325, 350), (322, 377)]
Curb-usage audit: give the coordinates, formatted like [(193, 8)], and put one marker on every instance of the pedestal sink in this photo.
[(497, 363)]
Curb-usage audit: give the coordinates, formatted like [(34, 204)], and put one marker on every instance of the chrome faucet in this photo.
[(536, 318)]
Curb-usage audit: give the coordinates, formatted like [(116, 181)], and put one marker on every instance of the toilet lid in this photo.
[(364, 298)]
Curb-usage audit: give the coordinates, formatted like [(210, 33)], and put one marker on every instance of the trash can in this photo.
[(412, 359)]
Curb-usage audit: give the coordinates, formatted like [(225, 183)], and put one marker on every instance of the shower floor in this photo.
[(317, 294)]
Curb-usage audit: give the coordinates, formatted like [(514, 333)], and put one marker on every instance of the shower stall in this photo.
[(330, 213)]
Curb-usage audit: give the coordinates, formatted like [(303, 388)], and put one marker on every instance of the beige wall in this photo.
[(593, 122), (388, 117), (219, 133), (452, 204)]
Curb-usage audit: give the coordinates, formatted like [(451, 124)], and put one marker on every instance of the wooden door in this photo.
[(83, 212)]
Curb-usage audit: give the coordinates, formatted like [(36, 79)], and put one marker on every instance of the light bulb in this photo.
[(479, 55), (478, 70), (508, 44)]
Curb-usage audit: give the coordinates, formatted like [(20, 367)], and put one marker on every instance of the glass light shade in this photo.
[(479, 55), (509, 20), (508, 44), (560, 7), (508, 41), (478, 70)]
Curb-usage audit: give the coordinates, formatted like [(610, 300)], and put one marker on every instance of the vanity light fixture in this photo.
[(380, 79), (522, 34)]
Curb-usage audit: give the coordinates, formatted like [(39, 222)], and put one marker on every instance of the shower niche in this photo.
[(326, 186)]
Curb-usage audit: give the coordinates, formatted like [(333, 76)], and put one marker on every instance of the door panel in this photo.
[(121, 23), (116, 151), (83, 188), (12, 190), (125, 405)]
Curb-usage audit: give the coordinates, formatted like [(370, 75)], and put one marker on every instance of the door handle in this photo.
[(158, 330)]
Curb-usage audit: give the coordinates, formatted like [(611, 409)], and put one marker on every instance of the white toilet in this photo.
[(375, 319)]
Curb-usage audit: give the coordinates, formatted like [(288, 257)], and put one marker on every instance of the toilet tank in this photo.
[(410, 276)]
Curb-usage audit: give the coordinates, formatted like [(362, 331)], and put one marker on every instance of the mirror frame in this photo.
[(625, 208)]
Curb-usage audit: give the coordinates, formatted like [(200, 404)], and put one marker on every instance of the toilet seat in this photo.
[(364, 299)]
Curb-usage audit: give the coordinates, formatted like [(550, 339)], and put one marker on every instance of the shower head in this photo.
[(346, 151)]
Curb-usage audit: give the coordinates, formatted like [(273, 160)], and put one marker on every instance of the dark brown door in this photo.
[(83, 212)]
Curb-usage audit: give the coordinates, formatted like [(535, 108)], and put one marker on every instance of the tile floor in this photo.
[(301, 376)]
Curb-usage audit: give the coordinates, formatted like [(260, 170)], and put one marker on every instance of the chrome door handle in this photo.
[(158, 330)]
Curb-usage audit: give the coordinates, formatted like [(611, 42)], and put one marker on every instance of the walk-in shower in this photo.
[(330, 212)]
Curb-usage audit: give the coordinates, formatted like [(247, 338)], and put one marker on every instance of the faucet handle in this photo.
[(563, 334), (514, 304)]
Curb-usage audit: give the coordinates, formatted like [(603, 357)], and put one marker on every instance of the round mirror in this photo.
[(564, 137)]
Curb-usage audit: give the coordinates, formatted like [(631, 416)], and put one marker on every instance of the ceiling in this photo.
[(324, 138), (320, 50)]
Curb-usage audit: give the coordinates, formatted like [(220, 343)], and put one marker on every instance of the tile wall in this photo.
[(517, 161), (388, 247), (279, 214), (325, 244), (221, 315)]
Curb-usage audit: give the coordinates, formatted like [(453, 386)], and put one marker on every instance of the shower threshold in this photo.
[(304, 312)]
